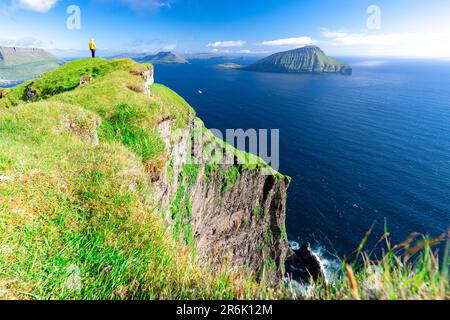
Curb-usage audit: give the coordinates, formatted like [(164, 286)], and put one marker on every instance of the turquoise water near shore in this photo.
[(361, 149)]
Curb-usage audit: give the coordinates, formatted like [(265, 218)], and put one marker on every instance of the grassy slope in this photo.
[(70, 206), (74, 205)]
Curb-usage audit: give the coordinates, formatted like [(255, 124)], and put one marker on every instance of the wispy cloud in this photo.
[(411, 44), (169, 47), (299, 41), (243, 51), (226, 44), (140, 5)]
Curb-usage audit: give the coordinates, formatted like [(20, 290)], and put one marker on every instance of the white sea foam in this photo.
[(330, 262)]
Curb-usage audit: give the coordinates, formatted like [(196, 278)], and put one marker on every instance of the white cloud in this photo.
[(224, 44), (169, 47), (299, 41), (410, 44), (244, 51), (41, 6)]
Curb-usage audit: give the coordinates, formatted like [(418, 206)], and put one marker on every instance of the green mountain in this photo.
[(310, 59), (20, 64), (162, 58), (96, 179)]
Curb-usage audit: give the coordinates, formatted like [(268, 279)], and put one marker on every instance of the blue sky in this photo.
[(409, 28)]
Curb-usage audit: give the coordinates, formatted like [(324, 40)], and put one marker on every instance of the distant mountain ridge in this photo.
[(309, 59), (20, 64), (165, 57)]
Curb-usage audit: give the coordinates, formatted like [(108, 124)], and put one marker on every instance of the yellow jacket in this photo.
[(92, 45)]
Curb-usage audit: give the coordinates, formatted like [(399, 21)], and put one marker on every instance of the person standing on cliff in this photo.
[(92, 47)]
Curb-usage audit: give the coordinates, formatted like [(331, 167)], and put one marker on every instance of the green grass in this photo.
[(16, 71), (181, 208)]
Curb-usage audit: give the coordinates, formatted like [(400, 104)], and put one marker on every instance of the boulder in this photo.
[(303, 264)]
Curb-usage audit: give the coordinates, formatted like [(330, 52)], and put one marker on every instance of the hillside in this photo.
[(310, 59), (98, 201), (162, 58), (20, 64)]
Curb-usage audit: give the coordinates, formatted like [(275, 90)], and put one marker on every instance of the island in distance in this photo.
[(309, 59)]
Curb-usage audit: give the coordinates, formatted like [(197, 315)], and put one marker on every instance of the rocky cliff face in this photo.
[(230, 213)]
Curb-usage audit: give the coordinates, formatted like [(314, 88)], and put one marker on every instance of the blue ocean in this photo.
[(362, 150)]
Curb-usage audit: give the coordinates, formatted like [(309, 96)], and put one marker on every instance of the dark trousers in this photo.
[(93, 53)]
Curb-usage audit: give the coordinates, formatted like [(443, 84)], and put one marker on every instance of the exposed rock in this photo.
[(222, 221), (303, 264), (107, 269), (149, 79), (85, 80)]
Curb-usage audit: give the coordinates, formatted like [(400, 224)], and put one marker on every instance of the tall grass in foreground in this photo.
[(410, 270)]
